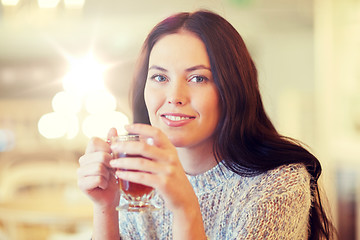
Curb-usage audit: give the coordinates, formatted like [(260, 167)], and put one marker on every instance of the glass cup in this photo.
[(137, 195)]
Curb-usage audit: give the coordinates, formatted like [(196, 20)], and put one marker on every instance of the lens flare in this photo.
[(99, 124), (56, 125), (85, 75)]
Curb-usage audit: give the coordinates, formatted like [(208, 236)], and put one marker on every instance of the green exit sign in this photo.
[(241, 2)]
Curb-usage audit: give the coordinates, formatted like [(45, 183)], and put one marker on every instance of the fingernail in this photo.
[(150, 141), (112, 163), (117, 145), (120, 174), (129, 127)]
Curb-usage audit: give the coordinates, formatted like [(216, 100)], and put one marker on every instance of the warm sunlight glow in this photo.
[(48, 3), (84, 89), (9, 2), (100, 102), (56, 125), (99, 124), (72, 126), (66, 102), (74, 3), (85, 75)]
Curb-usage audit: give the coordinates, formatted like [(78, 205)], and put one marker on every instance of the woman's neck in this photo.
[(198, 159)]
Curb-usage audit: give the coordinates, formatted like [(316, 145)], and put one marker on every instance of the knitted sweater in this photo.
[(273, 205)]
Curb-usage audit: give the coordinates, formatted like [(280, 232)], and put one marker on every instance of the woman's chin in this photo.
[(179, 141)]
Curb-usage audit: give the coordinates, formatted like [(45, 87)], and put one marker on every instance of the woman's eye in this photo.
[(159, 78), (198, 79)]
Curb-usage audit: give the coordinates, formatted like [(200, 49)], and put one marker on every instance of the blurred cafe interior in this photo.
[(65, 72)]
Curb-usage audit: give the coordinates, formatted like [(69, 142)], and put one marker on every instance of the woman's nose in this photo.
[(176, 101), (177, 94)]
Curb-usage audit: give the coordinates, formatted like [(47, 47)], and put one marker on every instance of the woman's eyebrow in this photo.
[(197, 67), (190, 69), (158, 68)]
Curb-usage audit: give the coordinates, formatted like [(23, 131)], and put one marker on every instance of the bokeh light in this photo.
[(66, 102), (99, 124), (9, 2), (100, 102), (85, 75), (55, 125), (83, 83), (74, 3), (48, 3), (7, 140)]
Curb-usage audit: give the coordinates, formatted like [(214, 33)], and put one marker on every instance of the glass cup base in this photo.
[(137, 207)]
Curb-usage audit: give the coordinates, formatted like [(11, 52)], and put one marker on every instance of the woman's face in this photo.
[(180, 93)]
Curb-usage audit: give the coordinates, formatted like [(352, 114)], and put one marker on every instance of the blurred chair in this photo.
[(27, 174), (40, 190), (3, 236)]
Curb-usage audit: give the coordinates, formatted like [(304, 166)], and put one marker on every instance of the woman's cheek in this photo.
[(152, 102)]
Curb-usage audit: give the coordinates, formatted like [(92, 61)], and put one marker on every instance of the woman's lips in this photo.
[(176, 120)]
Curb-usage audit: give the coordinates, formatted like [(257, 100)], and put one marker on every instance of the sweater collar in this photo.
[(209, 180)]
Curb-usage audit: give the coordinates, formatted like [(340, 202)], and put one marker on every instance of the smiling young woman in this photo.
[(180, 94), (219, 167)]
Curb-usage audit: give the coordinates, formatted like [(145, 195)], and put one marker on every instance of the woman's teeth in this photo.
[(176, 118)]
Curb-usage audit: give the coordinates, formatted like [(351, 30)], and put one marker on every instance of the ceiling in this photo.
[(34, 42)]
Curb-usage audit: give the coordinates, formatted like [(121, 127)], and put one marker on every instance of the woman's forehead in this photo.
[(177, 48)]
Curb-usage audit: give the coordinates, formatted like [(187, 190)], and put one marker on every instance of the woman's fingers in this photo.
[(95, 176), (95, 157), (138, 164), (95, 170), (158, 137), (144, 178), (91, 182), (112, 133), (140, 148), (97, 145), (156, 165), (165, 181)]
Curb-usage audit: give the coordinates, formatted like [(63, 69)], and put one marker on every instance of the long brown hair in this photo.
[(245, 138)]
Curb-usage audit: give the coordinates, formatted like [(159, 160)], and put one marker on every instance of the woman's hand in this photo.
[(163, 171), (160, 168), (95, 176)]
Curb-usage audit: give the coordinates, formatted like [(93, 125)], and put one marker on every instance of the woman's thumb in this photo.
[(112, 133)]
